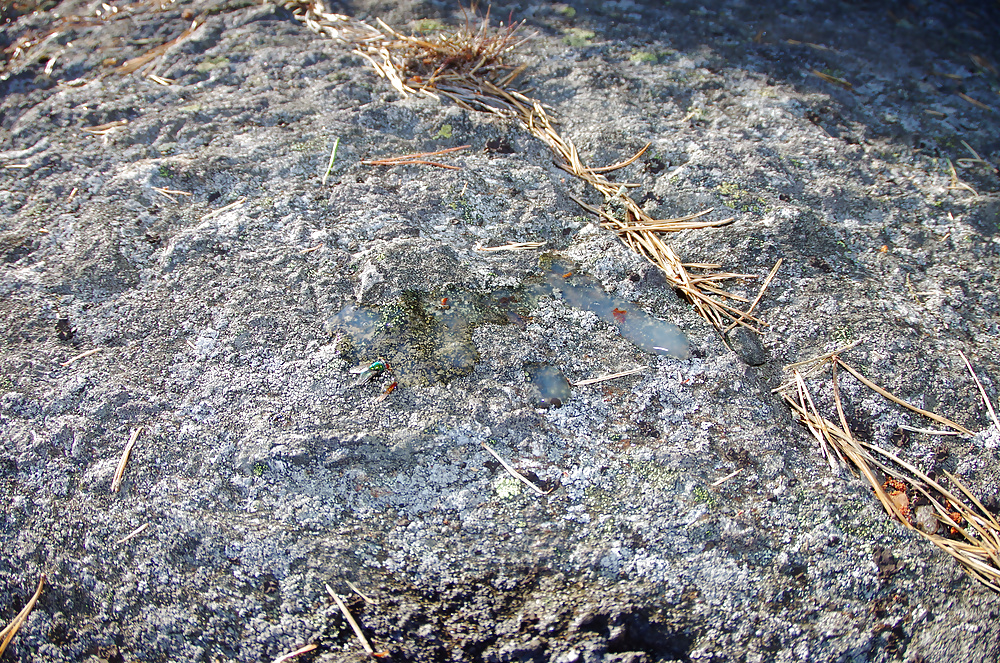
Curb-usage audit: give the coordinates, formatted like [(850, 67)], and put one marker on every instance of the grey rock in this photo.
[(264, 472)]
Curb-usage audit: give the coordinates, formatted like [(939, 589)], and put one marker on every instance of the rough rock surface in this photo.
[(264, 473)]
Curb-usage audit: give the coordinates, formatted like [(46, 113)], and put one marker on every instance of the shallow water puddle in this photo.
[(424, 339), (549, 387), (650, 334), (427, 338)]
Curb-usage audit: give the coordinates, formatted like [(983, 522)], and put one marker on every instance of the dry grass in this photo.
[(514, 473), (971, 533), (472, 66), (15, 625), (350, 620), (116, 483), (417, 158)]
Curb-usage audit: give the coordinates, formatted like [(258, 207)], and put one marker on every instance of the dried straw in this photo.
[(975, 544), (350, 620), (123, 461), (15, 625), (514, 473)]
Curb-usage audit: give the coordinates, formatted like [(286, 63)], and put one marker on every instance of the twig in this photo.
[(418, 158), (724, 479), (134, 533), (126, 453), (160, 80), (832, 79), (105, 129), (350, 620), (603, 378), (82, 355), (11, 629), (509, 246), (982, 392), (225, 208), (416, 162), (977, 549), (144, 59), (807, 409), (469, 67), (622, 164), (333, 157), (756, 300), (929, 431), (298, 652), (957, 183), (170, 193), (515, 473), (823, 357), (974, 102), (874, 387), (357, 591)]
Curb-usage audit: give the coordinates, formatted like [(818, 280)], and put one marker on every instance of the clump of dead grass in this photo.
[(474, 67), (964, 528)]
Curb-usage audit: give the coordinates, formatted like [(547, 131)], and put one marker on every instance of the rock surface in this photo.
[(197, 249)]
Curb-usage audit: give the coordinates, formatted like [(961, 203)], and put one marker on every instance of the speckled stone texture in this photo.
[(196, 248)]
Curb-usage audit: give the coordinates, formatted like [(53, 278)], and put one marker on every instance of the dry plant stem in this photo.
[(11, 629), (137, 63), (622, 164), (982, 392), (879, 390), (978, 159), (973, 554), (811, 366), (510, 246), (418, 155), (82, 355), (859, 459), (957, 183), (613, 376), (298, 652), (416, 162), (724, 479), (104, 129), (225, 208), (134, 533), (756, 300), (979, 549), (822, 358), (350, 620), (821, 433), (126, 453), (354, 588), (928, 431), (833, 79), (975, 102), (514, 473)]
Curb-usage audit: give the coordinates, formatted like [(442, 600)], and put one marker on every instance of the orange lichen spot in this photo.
[(896, 490), (894, 484), (619, 315)]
